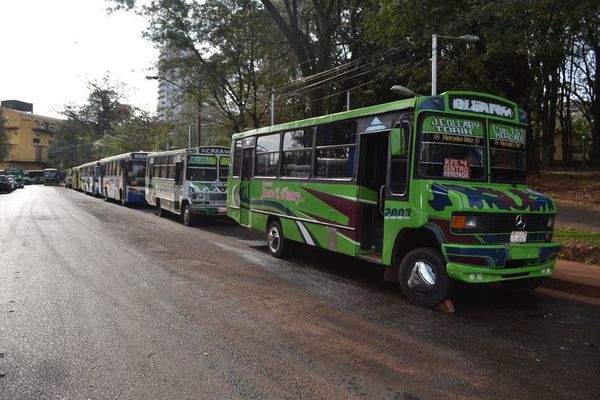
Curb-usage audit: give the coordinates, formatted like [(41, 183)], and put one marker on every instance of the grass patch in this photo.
[(578, 245), (566, 235)]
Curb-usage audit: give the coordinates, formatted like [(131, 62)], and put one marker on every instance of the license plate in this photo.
[(222, 209), (518, 237)]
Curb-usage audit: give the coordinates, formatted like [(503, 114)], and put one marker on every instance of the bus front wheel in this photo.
[(423, 277), (278, 246), (187, 216), (161, 212)]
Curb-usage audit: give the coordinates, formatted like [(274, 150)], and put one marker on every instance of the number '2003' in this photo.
[(397, 213)]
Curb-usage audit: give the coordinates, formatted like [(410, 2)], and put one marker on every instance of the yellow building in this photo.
[(29, 136)]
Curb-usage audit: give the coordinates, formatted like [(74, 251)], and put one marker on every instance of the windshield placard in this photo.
[(507, 137)]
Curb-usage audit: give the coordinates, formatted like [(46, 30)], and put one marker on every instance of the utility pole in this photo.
[(199, 111)]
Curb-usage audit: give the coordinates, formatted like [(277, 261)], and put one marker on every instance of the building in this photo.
[(29, 135)]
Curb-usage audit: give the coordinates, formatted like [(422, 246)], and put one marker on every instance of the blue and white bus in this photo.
[(123, 177), (90, 175)]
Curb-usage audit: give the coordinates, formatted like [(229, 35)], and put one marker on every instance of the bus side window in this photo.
[(399, 164), (237, 159)]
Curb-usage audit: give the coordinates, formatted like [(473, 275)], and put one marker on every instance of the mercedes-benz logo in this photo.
[(520, 221)]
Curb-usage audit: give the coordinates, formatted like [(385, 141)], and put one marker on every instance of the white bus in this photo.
[(123, 177), (90, 175), (188, 182)]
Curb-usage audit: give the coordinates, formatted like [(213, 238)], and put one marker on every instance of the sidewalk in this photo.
[(575, 278)]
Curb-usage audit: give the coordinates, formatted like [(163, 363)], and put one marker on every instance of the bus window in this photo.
[(237, 159), (136, 173), (223, 168), (399, 165), (267, 155), (336, 151), (297, 153), (201, 168)]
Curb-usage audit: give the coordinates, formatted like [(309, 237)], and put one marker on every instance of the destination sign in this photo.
[(507, 137), (209, 150), (482, 106), (452, 126), (202, 160), (139, 156)]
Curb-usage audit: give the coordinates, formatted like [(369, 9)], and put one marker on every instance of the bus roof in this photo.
[(470, 102), (122, 156), (191, 150), (359, 112)]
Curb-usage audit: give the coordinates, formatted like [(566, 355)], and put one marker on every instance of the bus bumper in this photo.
[(483, 264), (203, 210)]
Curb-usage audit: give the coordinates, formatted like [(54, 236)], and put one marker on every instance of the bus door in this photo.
[(246, 179), (371, 180), (97, 180), (397, 211)]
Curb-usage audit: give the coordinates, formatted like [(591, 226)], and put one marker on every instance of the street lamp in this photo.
[(368, 92), (198, 105), (434, 38)]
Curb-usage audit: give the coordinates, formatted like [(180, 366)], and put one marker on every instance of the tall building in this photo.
[(29, 135), (170, 88)]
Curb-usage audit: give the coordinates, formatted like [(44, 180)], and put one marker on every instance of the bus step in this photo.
[(375, 257)]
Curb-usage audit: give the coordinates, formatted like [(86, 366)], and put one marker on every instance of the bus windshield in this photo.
[(507, 153), (201, 168), (136, 173), (452, 148), (223, 168)]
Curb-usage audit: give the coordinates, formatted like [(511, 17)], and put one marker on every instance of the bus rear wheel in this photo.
[(278, 246), (187, 216), (161, 212), (122, 198), (423, 277)]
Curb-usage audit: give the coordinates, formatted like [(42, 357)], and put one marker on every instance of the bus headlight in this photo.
[(551, 222), (464, 222), (197, 196)]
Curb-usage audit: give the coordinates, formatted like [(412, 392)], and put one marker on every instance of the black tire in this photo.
[(423, 278), (122, 199), (522, 285), (277, 244), (187, 217), (106, 195)]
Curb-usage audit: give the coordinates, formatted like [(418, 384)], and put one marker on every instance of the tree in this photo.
[(105, 126)]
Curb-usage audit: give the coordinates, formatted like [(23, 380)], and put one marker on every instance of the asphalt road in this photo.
[(579, 217), (99, 301)]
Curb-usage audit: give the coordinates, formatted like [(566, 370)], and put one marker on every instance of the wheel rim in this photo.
[(273, 239), (422, 277)]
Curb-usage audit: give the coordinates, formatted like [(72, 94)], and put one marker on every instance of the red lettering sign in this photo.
[(455, 168)]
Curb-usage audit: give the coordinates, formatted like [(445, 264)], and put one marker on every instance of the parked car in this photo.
[(12, 181), (5, 184)]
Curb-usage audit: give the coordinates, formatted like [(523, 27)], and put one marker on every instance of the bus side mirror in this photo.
[(397, 141)]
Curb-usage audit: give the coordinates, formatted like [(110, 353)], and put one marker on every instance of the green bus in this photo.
[(431, 187)]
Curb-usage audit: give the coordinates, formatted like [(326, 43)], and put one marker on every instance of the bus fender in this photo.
[(409, 239)]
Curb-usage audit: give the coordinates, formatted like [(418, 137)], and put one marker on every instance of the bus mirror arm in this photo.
[(381, 199)]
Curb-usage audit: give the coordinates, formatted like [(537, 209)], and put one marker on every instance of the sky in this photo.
[(51, 49)]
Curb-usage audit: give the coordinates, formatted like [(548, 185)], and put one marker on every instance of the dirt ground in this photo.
[(576, 188)]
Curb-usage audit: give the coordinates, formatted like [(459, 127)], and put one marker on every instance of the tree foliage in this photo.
[(104, 126), (542, 54)]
